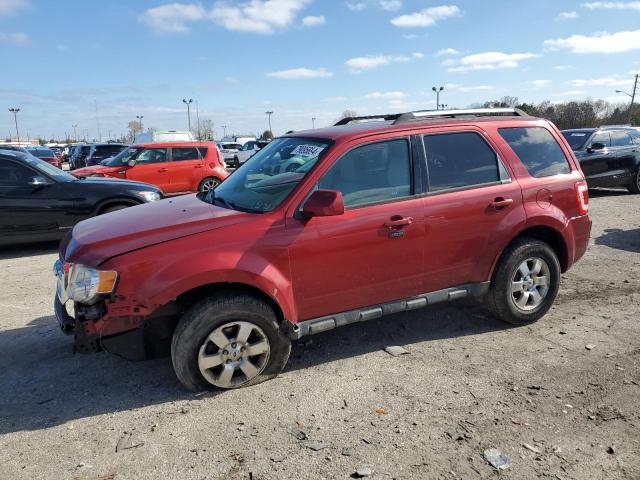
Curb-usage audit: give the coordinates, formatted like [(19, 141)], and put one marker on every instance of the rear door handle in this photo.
[(198, 166), (398, 221), (162, 170), (500, 203)]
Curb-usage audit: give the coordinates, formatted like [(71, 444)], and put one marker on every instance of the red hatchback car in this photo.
[(175, 167), (378, 217)]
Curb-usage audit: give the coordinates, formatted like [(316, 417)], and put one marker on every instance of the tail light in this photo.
[(582, 197)]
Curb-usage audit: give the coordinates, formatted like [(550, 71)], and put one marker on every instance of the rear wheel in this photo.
[(526, 282), (208, 184), (236, 162), (228, 341), (634, 186)]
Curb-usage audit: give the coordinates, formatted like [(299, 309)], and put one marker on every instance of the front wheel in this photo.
[(525, 283), (208, 184), (228, 341), (634, 186)]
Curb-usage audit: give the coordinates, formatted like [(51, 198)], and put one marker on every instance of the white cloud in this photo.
[(487, 61), (427, 17), (612, 5), (598, 43), (567, 16), (613, 82), (358, 64), (447, 52), (11, 7), (336, 99), (570, 93), (466, 89), (173, 17), (253, 16), (18, 38), (386, 95), (298, 73), (388, 5), (313, 21), (540, 83)]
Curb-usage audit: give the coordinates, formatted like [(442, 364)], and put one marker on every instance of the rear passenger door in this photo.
[(471, 208), (626, 152), (186, 169)]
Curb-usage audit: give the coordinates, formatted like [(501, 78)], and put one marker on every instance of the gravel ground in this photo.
[(567, 387)]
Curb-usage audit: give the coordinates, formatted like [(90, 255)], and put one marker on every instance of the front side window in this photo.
[(459, 160), (106, 151), (621, 139), (373, 173), (537, 150), (152, 155), (603, 137), (267, 178), (180, 154), (13, 175)]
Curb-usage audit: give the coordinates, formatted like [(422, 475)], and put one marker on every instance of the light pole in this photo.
[(188, 104), (224, 131), (313, 122), (15, 119), (437, 90), (140, 117), (269, 113), (632, 95), (75, 135)]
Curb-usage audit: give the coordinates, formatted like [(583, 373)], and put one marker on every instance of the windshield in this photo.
[(49, 170), (577, 139), (123, 157), (261, 184)]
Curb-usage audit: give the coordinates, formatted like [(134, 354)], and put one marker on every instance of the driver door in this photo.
[(151, 168), (595, 164)]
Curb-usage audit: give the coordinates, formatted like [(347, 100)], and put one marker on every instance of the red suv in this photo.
[(176, 167), (377, 217)]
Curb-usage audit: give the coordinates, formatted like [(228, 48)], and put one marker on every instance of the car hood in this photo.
[(88, 171), (97, 239)]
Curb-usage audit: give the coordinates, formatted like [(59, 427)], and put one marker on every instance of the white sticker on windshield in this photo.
[(307, 151), (578, 134)]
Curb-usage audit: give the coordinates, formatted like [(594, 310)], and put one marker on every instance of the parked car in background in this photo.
[(102, 151), (609, 156), (248, 150), (39, 202), (378, 218), (175, 167), (12, 147), (163, 136), (78, 155), (46, 154), (229, 152)]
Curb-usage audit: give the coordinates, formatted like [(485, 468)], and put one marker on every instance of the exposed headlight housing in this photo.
[(149, 196), (86, 284)]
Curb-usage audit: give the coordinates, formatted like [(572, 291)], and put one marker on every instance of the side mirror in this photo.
[(132, 162), (37, 182), (595, 146), (323, 203)]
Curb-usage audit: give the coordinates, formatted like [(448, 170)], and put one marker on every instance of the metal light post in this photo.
[(632, 95), (224, 131), (313, 122), (140, 117), (437, 90), (269, 113), (75, 135), (15, 119), (188, 104)]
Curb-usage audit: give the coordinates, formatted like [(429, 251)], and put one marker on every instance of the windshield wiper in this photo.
[(231, 205)]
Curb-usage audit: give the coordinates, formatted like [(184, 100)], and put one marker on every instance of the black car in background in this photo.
[(39, 202), (609, 156), (92, 154)]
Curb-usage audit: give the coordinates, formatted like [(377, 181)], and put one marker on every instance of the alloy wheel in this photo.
[(530, 284), (209, 184), (234, 354)]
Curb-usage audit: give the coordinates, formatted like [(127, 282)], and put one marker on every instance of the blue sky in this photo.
[(299, 58)]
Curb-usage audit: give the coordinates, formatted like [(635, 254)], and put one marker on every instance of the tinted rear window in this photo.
[(185, 153), (537, 149), (621, 139)]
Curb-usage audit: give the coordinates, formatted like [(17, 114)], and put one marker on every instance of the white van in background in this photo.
[(153, 136)]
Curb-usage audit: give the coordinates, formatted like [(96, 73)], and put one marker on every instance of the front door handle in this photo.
[(162, 170), (198, 166), (398, 221), (500, 203)]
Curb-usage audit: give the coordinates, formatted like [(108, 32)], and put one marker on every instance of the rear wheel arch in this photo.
[(116, 202)]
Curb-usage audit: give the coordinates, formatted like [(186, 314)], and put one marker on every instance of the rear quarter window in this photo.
[(537, 149)]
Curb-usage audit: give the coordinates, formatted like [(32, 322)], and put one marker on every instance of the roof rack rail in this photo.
[(398, 118)]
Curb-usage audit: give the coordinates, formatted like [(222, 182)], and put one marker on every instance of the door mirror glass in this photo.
[(596, 146), (38, 181), (323, 203), (132, 162)]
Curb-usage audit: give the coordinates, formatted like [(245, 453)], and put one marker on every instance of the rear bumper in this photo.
[(580, 229)]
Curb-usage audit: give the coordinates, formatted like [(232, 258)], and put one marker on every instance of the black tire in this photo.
[(203, 183), (500, 300), (236, 162), (212, 312), (634, 186), (114, 208)]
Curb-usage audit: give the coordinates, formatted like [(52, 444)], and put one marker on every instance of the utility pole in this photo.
[(15, 119), (633, 97), (437, 90), (198, 119), (269, 113), (75, 135), (188, 104)]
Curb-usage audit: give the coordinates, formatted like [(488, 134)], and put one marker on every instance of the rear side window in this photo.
[(372, 173), (180, 154), (621, 139), (458, 160), (537, 149)]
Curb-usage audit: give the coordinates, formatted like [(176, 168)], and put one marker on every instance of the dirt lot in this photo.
[(568, 387)]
